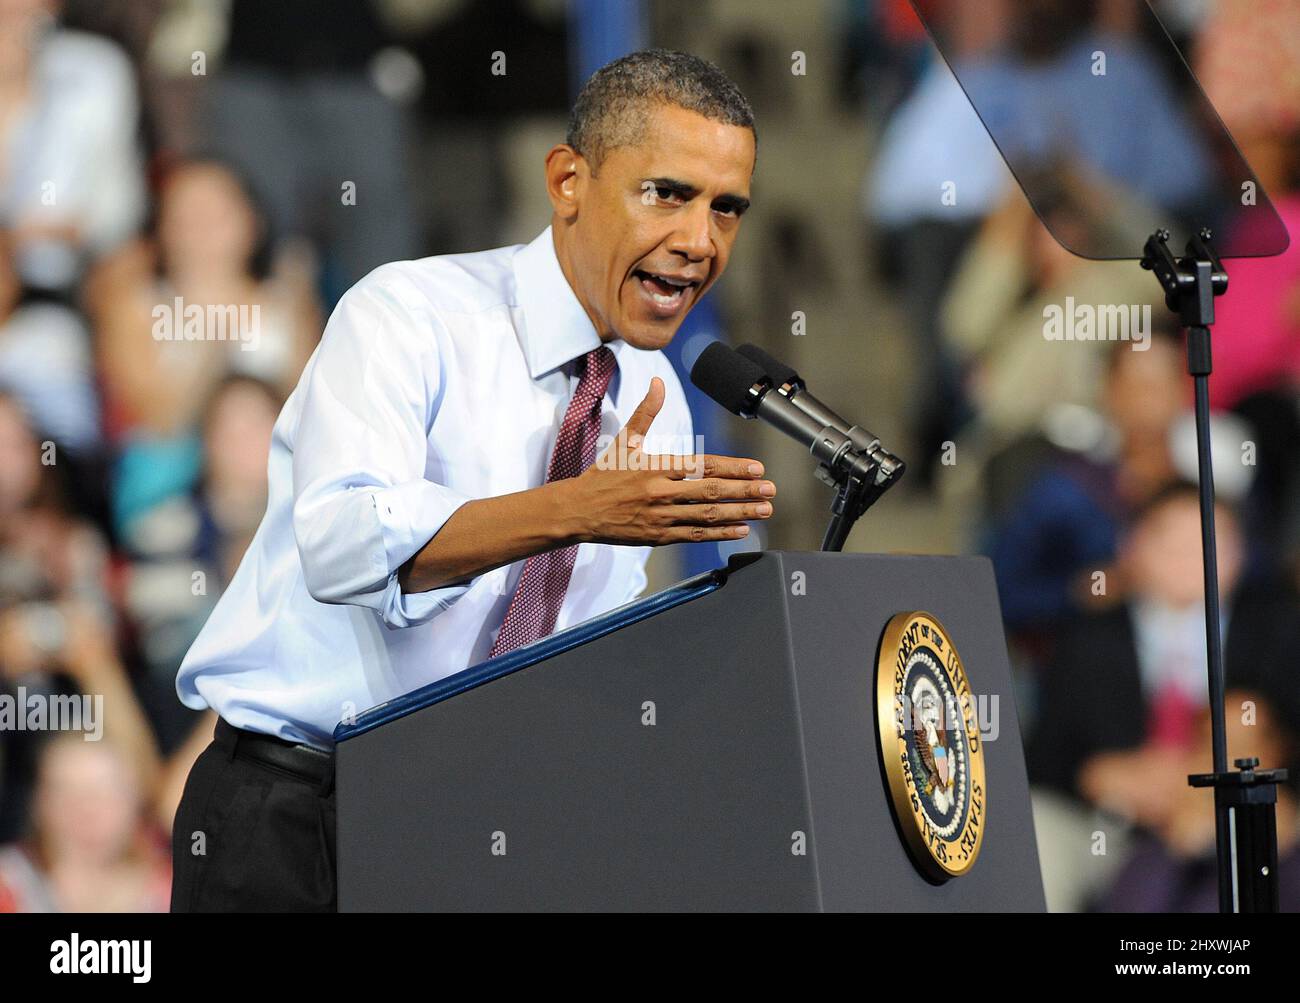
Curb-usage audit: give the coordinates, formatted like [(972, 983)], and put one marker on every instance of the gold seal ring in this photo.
[(930, 745)]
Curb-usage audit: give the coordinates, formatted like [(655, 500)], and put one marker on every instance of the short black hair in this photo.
[(1180, 489), (611, 107), (1165, 330)]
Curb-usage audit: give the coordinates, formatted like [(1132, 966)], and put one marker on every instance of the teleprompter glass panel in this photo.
[(1102, 123)]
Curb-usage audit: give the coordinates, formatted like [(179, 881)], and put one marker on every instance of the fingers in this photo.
[(710, 465), (711, 489), (718, 513), (702, 534), (639, 424)]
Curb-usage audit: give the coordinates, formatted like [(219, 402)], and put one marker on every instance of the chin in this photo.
[(650, 335)]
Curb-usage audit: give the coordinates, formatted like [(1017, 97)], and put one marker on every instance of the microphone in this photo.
[(746, 388), (790, 384)]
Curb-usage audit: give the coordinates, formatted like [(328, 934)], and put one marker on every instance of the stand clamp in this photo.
[(856, 490)]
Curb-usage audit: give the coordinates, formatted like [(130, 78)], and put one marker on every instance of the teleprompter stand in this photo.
[(1244, 799)]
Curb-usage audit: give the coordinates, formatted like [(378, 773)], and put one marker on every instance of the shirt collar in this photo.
[(556, 328)]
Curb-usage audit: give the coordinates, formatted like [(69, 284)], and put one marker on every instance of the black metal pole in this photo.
[(845, 510), (1199, 364)]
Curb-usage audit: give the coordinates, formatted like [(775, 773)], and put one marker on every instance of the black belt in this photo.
[(312, 766)]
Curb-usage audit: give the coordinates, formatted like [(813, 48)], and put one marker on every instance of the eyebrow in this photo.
[(686, 190)]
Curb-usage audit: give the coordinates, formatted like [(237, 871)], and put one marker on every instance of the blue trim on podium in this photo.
[(521, 658)]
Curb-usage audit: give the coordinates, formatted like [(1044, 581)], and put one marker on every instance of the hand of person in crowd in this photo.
[(1142, 785), (1253, 729), (1008, 226), (631, 497), (1188, 831), (66, 636), (89, 654), (19, 655)]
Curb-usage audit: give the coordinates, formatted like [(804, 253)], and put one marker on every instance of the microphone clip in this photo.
[(857, 487)]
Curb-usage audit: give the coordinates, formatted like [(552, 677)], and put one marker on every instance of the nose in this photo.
[(693, 238)]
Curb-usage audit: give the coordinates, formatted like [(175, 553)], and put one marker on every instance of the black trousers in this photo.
[(255, 828)]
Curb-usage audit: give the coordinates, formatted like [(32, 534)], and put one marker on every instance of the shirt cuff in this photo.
[(410, 515)]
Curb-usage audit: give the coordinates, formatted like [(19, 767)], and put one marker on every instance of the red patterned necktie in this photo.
[(545, 578)]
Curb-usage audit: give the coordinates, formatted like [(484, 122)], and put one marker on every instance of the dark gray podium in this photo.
[(709, 747)]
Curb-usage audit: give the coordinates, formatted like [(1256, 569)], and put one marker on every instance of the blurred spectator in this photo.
[(296, 107), (45, 551), (938, 172), (1172, 866), (210, 259), (47, 362), (1249, 63), (66, 647), (237, 430), (1120, 700), (994, 314), (185, 548), (885, 47), (56, 617), (211, 249), (90, 848), (70, 181), (1248, 60), (1064, 526), (1039, 96), (935, 144)]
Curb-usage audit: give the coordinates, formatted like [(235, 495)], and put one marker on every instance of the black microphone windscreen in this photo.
[(726, 376), (775, 368)]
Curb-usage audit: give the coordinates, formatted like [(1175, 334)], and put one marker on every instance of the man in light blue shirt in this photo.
[(433, 499)]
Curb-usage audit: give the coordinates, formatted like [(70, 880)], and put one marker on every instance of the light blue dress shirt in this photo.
[(436, 381)]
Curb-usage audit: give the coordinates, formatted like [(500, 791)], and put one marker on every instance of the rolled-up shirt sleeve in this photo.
[(362, 504)]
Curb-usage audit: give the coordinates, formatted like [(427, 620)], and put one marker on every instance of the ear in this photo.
[(566, 173)]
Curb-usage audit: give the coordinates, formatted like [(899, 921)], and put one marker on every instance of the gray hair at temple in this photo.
[(613, 105)]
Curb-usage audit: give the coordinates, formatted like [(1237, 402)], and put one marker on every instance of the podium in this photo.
[(711, 747)]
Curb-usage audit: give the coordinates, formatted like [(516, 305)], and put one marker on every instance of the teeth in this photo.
[(678, 286), (669, 280)]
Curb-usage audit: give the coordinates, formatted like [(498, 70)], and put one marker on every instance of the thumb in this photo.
[(639, 424)]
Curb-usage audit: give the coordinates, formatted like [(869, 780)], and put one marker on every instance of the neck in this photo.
[(562, 238)]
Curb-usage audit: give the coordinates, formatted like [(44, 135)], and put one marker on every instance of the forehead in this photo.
[(1178, 515), (685, 145)]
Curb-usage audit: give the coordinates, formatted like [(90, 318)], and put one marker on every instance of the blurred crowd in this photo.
[(172, 234), (187, 187), (1083, 487)]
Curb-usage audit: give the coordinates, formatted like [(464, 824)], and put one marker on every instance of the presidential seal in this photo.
[(930, 745)]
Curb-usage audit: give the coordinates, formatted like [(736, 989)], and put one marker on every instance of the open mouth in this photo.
[(666, 293)]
